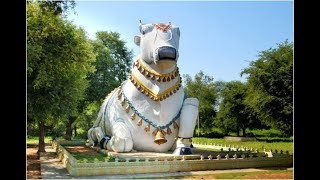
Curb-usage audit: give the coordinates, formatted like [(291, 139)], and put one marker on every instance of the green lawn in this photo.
[(35, 140), (285, 146), (47, 139)]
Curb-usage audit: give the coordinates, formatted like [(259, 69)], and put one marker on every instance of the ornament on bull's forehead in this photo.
[(163, 27), (158, 133), (155, 96), (148, 73)]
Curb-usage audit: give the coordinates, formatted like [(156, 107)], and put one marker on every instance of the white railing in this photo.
[(221, 160)]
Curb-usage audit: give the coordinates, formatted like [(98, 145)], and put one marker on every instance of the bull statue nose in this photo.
[(166, 53)]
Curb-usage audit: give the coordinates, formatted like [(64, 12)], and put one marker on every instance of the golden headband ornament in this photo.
[(163, 27)]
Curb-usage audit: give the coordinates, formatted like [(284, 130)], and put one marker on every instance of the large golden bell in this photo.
[(159, 138)]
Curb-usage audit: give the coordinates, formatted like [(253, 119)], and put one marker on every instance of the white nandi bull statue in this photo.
[(149, 111)]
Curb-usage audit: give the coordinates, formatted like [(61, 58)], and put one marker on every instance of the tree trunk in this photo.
[(244, 132), (238, 131), (41, 145), (75, 130), (69, 123)]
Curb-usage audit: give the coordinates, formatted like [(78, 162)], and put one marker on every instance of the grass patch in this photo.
[(260, 145), (35, 140), (80, 153)]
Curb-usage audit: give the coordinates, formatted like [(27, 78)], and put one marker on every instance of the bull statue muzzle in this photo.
[(159, 42)]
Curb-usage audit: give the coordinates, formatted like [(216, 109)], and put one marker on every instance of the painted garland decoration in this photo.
[(159, 132), (163, 27), (148, 73), (154, 96)]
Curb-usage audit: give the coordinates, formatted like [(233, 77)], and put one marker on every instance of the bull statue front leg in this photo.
[(188, 117), (121, 141)]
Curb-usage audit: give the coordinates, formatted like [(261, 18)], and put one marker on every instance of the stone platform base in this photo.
[(152, 155), (148, 162)]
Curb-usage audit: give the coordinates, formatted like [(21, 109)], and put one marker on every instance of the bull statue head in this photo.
[(159, 44)]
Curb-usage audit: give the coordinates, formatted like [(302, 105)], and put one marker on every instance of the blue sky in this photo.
[(219, 38)]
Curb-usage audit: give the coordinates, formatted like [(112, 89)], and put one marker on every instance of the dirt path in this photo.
[(33, 163)]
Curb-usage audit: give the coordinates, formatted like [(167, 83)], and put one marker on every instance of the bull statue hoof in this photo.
[(150, 110), (182, 151), (183, 146)]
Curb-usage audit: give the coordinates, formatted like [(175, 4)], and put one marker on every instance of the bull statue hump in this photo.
[(149, 111)]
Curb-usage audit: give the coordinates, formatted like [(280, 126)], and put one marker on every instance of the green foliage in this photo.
[(59, 56), (86, 118), (112, 65), (58, 7), (270, 87), (285, 146), (233, 113), (202, 87), (113, 61)]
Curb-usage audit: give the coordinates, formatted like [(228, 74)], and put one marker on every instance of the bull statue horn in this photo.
[(159, 138)]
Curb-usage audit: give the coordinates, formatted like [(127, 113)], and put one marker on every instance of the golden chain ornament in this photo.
[(154, 96), (159, 132), (148, 73)]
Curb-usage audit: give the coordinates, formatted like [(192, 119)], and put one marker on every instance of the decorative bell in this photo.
[(159, 138)]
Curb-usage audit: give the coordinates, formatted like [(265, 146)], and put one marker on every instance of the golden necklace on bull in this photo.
[(148, 73), (159, 132), (158, 77)]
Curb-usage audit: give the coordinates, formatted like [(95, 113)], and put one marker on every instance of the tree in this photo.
[(270, 81), (59, 57), (112, 65), (202, 87), (88, 114), (233, 113), (58, 7)]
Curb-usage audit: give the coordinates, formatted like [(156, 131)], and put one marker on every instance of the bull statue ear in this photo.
[(137, 40)]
